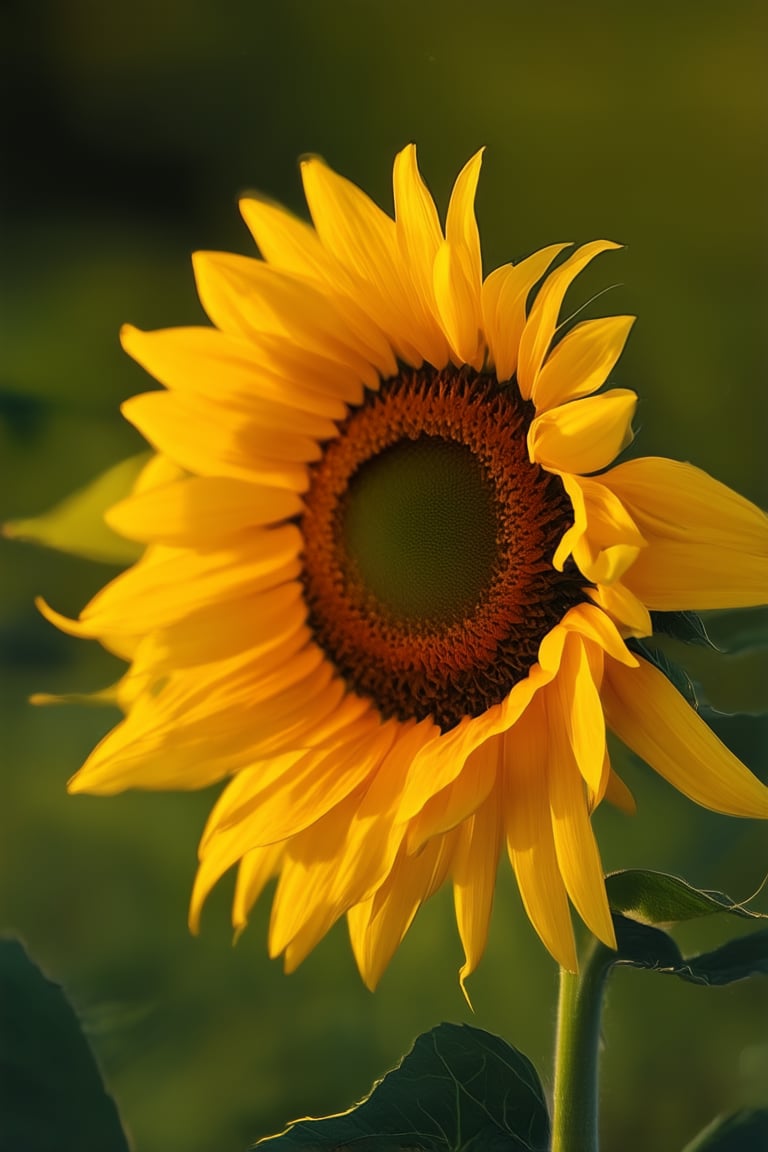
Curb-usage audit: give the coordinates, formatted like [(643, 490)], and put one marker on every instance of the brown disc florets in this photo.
[(428, 545)]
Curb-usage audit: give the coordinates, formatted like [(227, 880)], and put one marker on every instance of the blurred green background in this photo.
[(132, 129)]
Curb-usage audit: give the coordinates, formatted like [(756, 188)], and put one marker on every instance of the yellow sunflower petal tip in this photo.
[(393, 575)]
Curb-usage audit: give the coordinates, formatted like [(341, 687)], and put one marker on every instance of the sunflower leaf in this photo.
[(52, 1097), (459, 1089), (643, 946), (735, 960), (656, 898), (739, 1132), (688, 627), (740, 630)]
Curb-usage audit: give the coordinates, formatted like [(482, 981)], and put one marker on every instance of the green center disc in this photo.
[(420, 529)]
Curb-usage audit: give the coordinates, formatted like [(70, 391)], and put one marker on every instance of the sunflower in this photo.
[(392, 585)]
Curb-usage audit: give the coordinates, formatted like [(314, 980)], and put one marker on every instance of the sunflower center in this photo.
[(420, 527), (428, 545)]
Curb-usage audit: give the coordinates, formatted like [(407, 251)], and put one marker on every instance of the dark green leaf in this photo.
[(687, 627), (735, 960), (458, 1089), (740, 630), (655, 898), (52, 1098), (645, 947), (745, 1131)]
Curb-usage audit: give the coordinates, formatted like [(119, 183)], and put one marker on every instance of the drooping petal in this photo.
[(458, 800), (648, 713), (529, 834), (575, 846), (474, 881), (577, 688), (378, 925)]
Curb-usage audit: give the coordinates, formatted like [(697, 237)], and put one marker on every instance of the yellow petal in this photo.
[(167, 584), (257, 868), (201, 509), (234, 371), (529, 834), (363, 239), (542, 321), (289, 243), (279, 808), (246, 298), (419, 237), (453, 804), (76, 525), (578, 691), (585, 435), (707, 545), (223, 628), (504, 296), (458, 306), (294, 247), (623, 607), (618, 794), (305, 895), (577, 853), (378, 925), (604, 539), (461, 230), (197, 436), (652, 718), (458, 272), (581, 362), (474, 881), (588, 621)]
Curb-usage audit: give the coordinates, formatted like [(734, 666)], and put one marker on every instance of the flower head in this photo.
[(390, 576)]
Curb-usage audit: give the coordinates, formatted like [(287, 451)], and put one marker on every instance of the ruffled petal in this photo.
[(707, 545), (585, 435), (604, 539)]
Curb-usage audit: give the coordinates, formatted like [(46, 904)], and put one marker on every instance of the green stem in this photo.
[(574, 1121)]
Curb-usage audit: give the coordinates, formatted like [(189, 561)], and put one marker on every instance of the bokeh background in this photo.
[(130, 130)]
